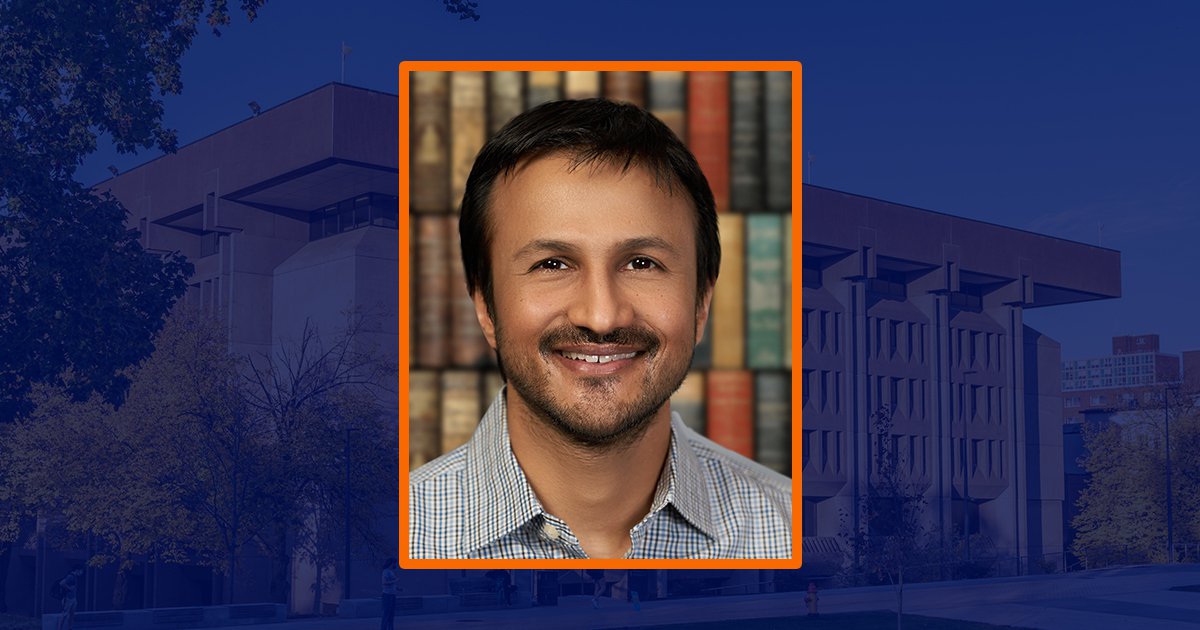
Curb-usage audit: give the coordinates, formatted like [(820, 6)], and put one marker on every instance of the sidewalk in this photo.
[(1121, 598)]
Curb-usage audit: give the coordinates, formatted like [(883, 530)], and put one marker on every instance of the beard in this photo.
[(594, 419)]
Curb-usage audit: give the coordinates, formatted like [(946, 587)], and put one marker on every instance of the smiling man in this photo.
[(589, 239)]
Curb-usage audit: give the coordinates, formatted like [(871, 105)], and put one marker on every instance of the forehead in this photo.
[(554, 197)]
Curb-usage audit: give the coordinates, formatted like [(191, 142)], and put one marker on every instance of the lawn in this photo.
[(880, 619)]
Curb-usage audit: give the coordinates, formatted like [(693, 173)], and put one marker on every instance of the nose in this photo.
[(601, 304)]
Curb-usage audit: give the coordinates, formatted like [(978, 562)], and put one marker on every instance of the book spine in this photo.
[(424, 419), (772, 421), (728, 311), (543, 87), (460, 407), (787, 291), (764, 291), (429, 136), (506, 98), (708, 130), (779, 141), (667, 97), (467, 124), (492, 382), (731, 410), (626, 87), (688, 401), (747, 185), (578, 84), (702, 357), (468, 347), (433, 282)]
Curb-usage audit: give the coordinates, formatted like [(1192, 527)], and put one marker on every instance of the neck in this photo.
[(601, 493)]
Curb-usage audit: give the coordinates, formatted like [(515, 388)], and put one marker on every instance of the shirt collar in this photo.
[(504, 501)]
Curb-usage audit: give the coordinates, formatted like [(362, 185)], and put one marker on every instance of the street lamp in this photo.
[(1167, 448)]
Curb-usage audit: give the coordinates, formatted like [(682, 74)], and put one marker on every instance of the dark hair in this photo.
[(591, 131)]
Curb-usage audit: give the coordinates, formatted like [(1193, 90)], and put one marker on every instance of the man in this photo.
[(69, 586), (589, 240), (387, 598)]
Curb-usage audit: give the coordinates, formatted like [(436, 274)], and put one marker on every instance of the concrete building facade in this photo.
[(922, 314)]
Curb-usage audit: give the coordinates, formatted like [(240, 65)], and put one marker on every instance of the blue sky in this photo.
[(1068, 120)]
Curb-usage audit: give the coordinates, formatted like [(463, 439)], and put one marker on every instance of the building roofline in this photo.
[(962, 218), (331, 84)]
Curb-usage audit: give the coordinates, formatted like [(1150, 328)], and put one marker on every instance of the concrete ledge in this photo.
[(170, 618)]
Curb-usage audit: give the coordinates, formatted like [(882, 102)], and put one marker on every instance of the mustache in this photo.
[(573, 335)]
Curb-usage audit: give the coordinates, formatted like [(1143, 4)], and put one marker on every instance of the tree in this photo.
[(79, 299), (318, 394), (1122, 515), (894, 541), (210, 455)]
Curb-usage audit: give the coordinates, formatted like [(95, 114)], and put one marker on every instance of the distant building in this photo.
[(1132, 376)]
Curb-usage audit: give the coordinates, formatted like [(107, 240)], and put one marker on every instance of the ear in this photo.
[(702, 310), (485, 320)]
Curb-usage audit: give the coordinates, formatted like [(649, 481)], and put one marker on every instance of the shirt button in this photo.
[(550, 531)]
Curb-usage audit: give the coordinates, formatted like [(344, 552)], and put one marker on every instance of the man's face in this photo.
[(594, 276)]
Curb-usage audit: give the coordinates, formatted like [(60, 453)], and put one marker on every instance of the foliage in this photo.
[(1122, 511), (79, 299), (210, 454)]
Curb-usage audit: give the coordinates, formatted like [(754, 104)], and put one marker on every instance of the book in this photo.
[(424, 418), (467, 125), (579, 84), (688, 401), (702, 356), (506, 98), (626, 87), (729, 297), (708, 130), (787, 291), (543, 87), (764, 291), (468, 347), (432, 293), (747, 185), (429, 136), (772, 421), (778, 105), (461, 411), (492, 382), (730, 410), (667, 99)]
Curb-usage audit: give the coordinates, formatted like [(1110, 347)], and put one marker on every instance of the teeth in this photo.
[(598, 358)]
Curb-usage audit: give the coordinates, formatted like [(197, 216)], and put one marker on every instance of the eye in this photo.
[(641, 263), (550, 264)]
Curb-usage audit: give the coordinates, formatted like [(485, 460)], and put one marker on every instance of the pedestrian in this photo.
[(389, 580), (69, 587)]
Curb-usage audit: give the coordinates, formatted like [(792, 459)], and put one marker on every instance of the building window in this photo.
[(351, 214)]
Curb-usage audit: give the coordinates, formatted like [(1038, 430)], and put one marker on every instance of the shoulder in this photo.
[(436, 495), (751, 505), (736, 477)]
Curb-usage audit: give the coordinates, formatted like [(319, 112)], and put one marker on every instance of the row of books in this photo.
[(738, 124), (749, 322), (745, 411)]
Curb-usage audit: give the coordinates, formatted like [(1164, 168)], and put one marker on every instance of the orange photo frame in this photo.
[(405, 69)]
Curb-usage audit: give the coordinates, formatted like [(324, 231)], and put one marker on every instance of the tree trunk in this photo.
[(121, 583), (900, 599)]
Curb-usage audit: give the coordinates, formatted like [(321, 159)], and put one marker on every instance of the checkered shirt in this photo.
[(710, 503)]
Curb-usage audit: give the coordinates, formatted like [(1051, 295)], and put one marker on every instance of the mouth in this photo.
[(597, 361), (597, 358)]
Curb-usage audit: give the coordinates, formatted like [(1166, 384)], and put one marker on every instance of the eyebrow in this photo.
[(627, 245)]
